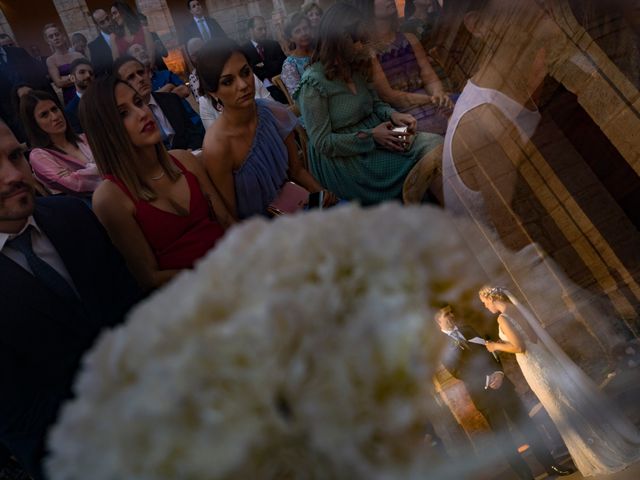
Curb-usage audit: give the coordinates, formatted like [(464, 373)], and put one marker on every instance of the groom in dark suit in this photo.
[(62, 283), (467, 359)]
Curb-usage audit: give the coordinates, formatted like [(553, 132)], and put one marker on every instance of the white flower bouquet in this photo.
[(300, 348)]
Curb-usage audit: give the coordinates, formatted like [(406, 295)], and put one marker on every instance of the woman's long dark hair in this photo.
[(339, 29), (131, 19), (37, 137)]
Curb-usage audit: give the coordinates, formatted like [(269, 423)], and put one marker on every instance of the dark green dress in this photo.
[(353, 168)]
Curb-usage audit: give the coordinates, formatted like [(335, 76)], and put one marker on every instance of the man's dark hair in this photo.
[(122, 60), (189, 3), (252, 21), (77, 62)]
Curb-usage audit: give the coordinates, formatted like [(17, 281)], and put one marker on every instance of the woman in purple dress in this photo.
[(59, 62), (402, 74)]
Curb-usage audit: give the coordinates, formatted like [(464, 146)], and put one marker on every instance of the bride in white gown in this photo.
[(599, 437)]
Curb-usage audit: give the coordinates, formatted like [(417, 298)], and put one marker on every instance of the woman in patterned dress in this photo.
[(353, 149)]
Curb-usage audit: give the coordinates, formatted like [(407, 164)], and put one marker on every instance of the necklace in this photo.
[(158, 177)]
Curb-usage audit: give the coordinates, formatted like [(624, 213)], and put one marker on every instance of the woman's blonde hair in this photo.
[(110, 143), (494, 293)]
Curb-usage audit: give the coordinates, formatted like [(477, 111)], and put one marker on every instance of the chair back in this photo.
[(277, 81)]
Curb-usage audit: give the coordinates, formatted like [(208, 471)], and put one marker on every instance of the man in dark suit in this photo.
[(62, 284), (81, 74), (178, 131), (467, 359), (200, 26), (265, 56), (100, 47)]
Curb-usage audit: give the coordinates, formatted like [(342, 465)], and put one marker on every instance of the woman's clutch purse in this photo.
[(290, 199)]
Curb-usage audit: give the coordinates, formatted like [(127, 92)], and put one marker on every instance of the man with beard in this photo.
[(81, 74), (100, 47), (62, 284)]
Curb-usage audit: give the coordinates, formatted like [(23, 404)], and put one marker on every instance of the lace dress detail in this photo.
[(600, 439)]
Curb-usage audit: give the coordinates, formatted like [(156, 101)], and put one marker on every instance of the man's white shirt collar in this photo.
[(5, 237)]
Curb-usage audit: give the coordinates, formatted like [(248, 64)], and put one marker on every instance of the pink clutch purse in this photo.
[(290, 199)]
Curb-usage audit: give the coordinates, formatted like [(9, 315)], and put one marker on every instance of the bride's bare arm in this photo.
[(514, 343)]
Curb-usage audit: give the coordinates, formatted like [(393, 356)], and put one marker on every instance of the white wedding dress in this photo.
[(600, 439)]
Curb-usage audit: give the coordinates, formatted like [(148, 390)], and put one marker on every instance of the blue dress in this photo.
[(264, 170)]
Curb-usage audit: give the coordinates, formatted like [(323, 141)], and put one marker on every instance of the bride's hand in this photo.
[(491, 346)]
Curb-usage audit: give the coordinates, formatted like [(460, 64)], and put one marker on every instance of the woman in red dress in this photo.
[(159, 208)]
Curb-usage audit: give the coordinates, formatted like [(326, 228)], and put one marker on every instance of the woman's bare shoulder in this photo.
[(109, 197)]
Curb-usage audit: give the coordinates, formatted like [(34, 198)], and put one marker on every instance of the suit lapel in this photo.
[(60, 235), (21, 288)]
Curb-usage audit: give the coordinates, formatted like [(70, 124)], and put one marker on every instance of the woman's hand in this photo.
[(384, 136), (441, 99), (404, 119), (330, 199), (492, 346)]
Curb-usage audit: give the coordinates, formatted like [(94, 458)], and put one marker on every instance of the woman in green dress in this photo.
[(353, 148)]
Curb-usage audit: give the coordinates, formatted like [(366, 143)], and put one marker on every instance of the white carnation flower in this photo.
[(301, 347)]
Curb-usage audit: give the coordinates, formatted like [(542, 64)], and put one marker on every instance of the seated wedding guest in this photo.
[(201, 26), (493, 394), (314, 13), (62, 284), (176, 128), (61, 159), (100, 47), (208, 112), (402, 74), (159, 208), (422, 19), (161, 80), (250, 151), (297, 31), (193, 47), (265, 56), (128, 30), (165, 81), (353, 149), (81, 73), (59, 62), (79, 44)]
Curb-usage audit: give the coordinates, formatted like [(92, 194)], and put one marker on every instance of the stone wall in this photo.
[(75, 17)]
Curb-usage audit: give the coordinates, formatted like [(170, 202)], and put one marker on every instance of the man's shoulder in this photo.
[(99, 40), (17, 53), (72, 106), (467, 330), (61, 205), (166, 98), (247, 46)]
